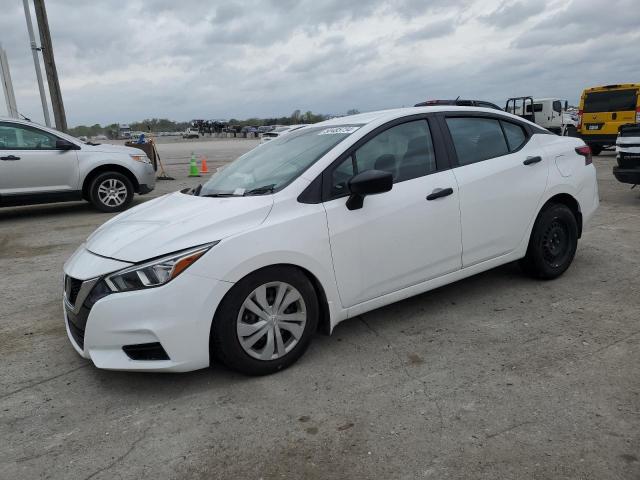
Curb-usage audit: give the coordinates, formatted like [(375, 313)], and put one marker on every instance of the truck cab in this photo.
[(549, 113)]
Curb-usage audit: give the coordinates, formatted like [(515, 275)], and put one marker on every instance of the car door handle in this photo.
[(532, 160), (10, 157), (439, 193)]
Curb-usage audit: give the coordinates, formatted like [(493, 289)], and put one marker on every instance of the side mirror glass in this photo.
[(369, 182)]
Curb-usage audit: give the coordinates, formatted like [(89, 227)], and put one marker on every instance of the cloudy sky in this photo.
[(183, 59)]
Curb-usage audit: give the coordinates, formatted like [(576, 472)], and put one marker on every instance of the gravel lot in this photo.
[(497, 376)]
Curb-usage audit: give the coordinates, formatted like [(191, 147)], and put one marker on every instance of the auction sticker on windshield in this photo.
[(338, 130)]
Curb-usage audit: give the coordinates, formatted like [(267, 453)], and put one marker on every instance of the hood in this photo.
[(175, 222), (108, 148)]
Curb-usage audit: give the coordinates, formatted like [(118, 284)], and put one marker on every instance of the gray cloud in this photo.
[(122, 61), (512, 13)]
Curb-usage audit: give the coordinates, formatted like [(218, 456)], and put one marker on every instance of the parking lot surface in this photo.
[(497, 376)]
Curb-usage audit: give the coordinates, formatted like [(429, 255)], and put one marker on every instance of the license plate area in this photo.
[(593, 126)]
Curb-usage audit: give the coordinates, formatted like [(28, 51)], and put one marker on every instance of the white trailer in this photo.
[(549, 113)]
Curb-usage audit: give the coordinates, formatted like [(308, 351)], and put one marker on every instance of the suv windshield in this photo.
[(273, 165)]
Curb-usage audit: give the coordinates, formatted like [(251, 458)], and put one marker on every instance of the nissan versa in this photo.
[(320, 225)]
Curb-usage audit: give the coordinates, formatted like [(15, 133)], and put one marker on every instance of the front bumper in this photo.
[(604, 140), (177, 315), (627, 175)]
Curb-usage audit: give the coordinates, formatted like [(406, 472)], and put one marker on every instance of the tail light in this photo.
[(585, 151), (638, 115), (580, 119)]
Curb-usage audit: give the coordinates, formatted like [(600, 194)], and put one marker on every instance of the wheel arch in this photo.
[(324, 322), (571, 202), (108, 167)]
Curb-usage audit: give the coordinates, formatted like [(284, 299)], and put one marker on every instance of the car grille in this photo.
[(72, 288), (77, 333)]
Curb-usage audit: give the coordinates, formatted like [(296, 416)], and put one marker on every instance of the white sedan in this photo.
[(321, 225)]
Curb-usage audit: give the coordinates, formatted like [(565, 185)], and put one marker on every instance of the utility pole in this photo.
[(7, 86), (36, 62), (50, 66)]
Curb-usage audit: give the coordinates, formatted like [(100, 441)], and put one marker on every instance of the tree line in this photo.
[(166, 125)]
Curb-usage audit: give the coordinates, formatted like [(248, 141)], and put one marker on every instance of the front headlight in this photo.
[(140, 158), (155, 272)]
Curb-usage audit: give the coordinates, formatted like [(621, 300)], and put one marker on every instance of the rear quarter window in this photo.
[(516, 136)]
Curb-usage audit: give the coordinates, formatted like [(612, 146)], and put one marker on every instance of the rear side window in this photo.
[(515, 135), (612, 101), (476, 139)]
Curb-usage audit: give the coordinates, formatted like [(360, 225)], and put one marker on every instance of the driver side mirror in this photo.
[(369, 182), (62, 144)]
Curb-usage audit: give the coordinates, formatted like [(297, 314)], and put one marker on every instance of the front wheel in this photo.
[(111, 192), (553, 243), (266, 321)]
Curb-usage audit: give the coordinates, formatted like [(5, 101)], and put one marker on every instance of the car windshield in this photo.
[(275, 164)]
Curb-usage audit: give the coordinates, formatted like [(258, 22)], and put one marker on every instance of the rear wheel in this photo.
[(266, 321), (111, 192), (553, 243)]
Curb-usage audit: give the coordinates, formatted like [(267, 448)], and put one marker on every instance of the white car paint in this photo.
[(396, 246), (60, 171)]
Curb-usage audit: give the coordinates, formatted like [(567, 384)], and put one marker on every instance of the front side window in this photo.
[(273, 165), (406, 151), (22, 137), (476, 139)]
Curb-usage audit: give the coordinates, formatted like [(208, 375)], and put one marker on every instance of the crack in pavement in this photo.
[(123, 456), (40, 382)]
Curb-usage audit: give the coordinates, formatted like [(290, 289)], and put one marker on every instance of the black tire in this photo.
[(570, 131), (121, 182), (225, 344), (595, 149), (552, 244)]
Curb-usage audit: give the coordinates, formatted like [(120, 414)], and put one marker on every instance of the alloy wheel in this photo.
[(112, 192)]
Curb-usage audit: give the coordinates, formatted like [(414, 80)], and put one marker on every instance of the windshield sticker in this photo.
[(338, 130)]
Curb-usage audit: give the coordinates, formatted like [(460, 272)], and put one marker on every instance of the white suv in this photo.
[(42, 165)]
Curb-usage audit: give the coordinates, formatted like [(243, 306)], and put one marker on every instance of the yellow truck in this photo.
[(603, 110)]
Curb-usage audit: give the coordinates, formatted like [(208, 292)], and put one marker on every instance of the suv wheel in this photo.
[(266, 321), (553, 243), (111, 192)]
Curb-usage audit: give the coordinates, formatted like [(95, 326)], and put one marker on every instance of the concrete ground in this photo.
[(494, 377)]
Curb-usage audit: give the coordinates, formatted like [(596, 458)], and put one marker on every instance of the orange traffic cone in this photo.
[(203, 165)]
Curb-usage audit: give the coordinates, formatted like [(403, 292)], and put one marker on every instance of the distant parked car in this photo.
[(279, 131), (459, 103), (191, 132), (41, 165)]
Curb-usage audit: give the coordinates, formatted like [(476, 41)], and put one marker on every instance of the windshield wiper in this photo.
[(221, 194), (261, 190)]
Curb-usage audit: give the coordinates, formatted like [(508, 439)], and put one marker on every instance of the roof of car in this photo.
[(364, 118)]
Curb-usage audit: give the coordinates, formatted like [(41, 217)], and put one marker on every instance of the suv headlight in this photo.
[(155, 272), (140, 158)]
